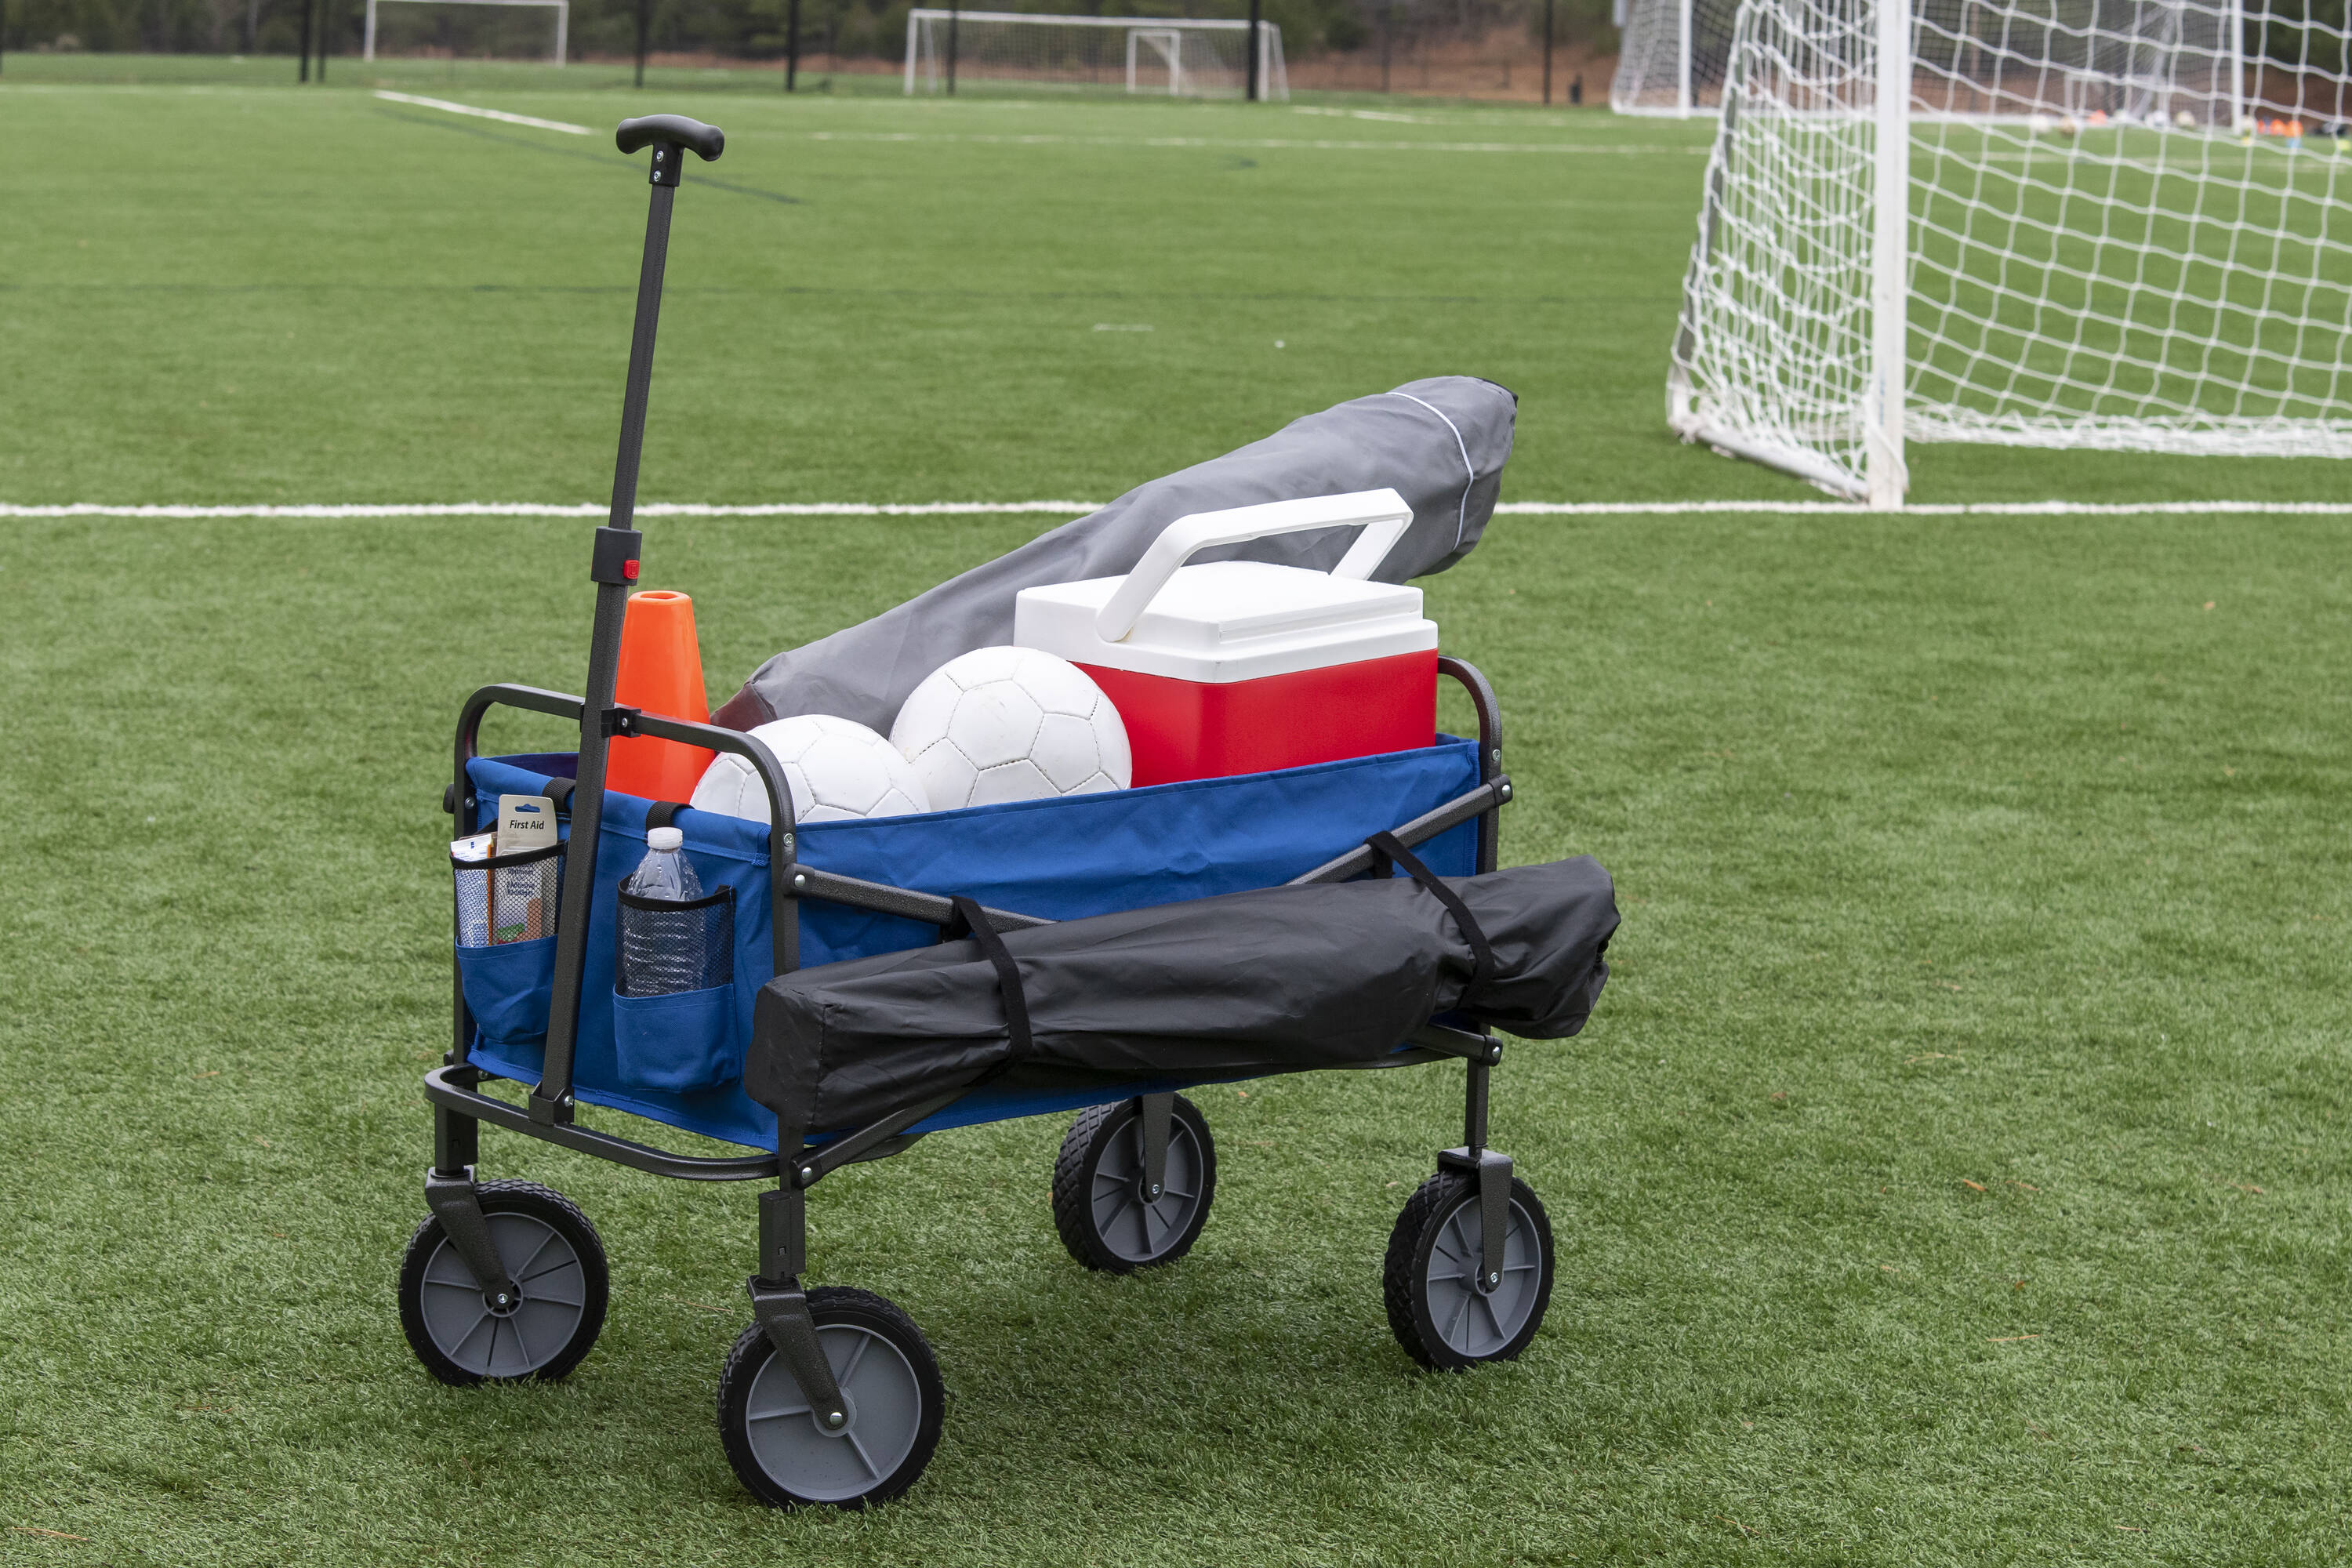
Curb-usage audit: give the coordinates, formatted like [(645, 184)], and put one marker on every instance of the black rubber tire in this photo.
[(800, 1467), (1437, 1322), (1091, 1205), (565, 1300)]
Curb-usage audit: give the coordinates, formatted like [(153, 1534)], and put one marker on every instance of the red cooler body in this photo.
[(1240, 667)]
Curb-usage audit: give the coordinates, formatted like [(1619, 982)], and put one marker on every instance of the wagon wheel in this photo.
[(890, 1385), (464, 1335), (1107, 1218), (1443, 1315)]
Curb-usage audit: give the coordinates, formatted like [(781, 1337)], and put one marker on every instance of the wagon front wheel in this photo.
[(889, 1386), (1441, 1311), (465, 1336), (1109, 1215)]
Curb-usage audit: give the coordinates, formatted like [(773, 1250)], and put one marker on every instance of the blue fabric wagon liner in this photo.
[(679, 1060)]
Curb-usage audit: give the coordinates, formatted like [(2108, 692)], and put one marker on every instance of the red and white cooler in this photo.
[(1237, 667)]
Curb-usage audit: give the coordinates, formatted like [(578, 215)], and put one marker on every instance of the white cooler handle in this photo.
[(1382, 515)]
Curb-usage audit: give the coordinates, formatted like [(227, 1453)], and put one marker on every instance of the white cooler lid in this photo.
[(1229, 620)]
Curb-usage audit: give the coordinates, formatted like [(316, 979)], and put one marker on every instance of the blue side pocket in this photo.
[(508, 988), (679, 1043)]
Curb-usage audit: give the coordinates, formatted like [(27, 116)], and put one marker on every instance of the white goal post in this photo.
[(1163, 56), (2120, 225), (563, 9)]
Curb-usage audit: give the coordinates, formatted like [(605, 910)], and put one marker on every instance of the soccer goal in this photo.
[(1671, 56), (490, 29), (1167, 57), (2113, 224)]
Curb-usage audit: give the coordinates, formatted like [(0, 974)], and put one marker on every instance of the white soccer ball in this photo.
[(2039, 124), (2069, 126), (2186, 121), (1010, 723), (835, 769)]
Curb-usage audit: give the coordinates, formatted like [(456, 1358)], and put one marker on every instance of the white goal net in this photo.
[(2117, 224), (1671, 56), (468, 29), (1166, 57)]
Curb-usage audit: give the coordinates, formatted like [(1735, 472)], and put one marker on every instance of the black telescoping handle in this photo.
[(706, 141), (613, 569)]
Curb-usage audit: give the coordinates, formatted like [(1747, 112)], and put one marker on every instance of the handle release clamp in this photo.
[(616, 560)]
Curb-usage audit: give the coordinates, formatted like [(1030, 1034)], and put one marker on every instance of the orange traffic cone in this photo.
[(661, 672)]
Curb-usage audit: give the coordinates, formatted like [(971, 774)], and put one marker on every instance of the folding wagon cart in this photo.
[(832, 1394)]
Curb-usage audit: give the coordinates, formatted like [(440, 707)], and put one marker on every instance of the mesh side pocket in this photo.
[(507, 898), (668, 947)]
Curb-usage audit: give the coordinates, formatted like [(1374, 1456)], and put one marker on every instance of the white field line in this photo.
[(1254, 143), (330, 512), (1947, 508), (1516, 121), (443, 103), (560, 508), (1374, 114)]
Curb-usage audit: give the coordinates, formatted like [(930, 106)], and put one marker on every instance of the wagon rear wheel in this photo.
[(1442, 1312), (464, 1335), (1109, 1217), (890, 1385)]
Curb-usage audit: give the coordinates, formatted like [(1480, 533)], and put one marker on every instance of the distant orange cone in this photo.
[(661, 672)]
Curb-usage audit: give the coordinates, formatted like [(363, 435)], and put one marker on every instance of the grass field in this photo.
[(1954, 1172)]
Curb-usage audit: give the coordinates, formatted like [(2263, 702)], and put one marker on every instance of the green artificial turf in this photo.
[(1954, 1170), (268, 294)]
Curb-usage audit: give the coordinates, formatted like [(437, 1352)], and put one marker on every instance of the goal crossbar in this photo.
[(1178, 24)]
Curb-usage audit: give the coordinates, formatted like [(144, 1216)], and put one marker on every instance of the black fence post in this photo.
[(326, 35), (1257, 88), (644, 23), (954, 13), (303, 74), (1547, 53), (791, 46), (1388, 37)]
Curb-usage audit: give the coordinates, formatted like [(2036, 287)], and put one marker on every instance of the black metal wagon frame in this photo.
[(1474, 1181)]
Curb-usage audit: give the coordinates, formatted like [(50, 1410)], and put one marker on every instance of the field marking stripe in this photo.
[(559, 508), (1045, 140), (1947, 508), (442, 104), (330, 511)]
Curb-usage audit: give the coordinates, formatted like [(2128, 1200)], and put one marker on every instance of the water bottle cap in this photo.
[(666, 839)]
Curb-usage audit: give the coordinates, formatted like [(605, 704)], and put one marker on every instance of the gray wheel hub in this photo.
[(482, 1336), (1136, 1223), (1474, 1316), (879, 1395)]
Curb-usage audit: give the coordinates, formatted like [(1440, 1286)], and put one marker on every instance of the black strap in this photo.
[(1388, 848), (662, 813), (559, 792), (969, 917)]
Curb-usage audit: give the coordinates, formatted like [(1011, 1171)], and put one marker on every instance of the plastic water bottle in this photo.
[(663, 951)]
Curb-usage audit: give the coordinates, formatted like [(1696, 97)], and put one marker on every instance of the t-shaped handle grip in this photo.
[(656, 130)]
